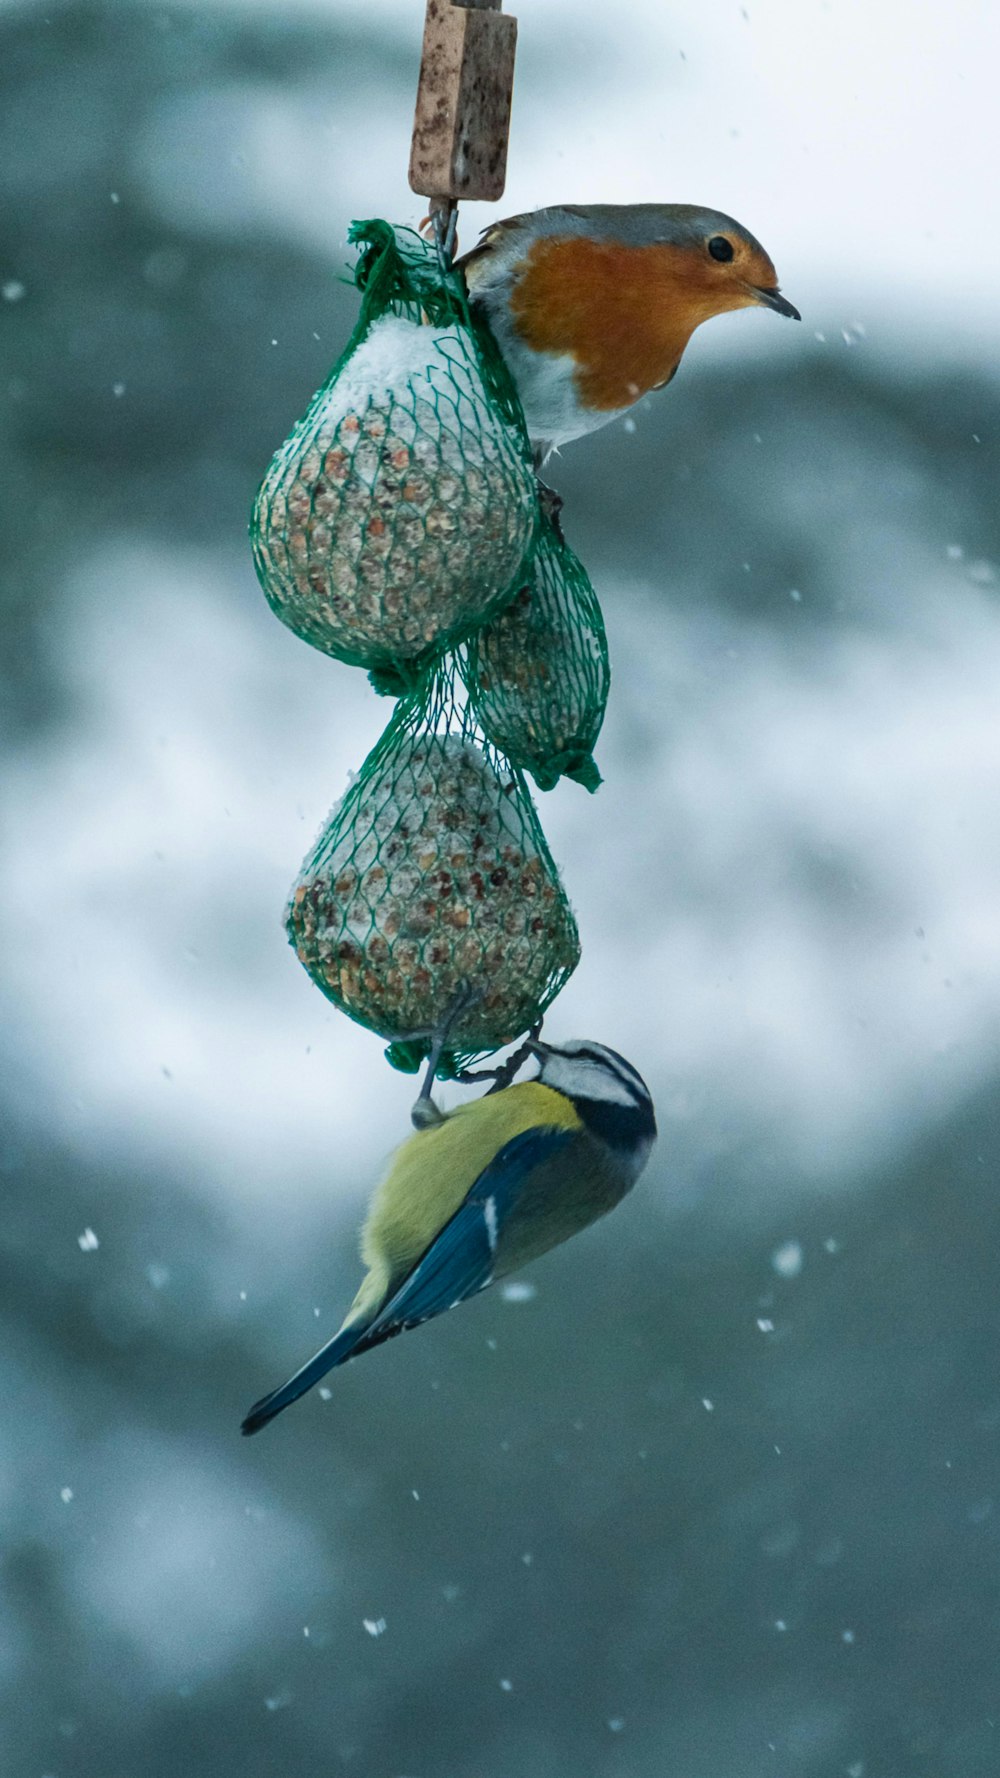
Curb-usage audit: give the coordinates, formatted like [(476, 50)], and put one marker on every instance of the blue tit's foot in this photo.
[(501, 1077), (424, 1114)]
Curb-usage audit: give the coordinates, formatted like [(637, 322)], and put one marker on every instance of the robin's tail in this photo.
[(336, 1351)]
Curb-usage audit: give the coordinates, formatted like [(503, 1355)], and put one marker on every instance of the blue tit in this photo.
[(485, 1188)]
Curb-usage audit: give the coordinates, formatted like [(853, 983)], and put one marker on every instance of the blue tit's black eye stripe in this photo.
[(604, 1058), (720, 248), (617, 1066)]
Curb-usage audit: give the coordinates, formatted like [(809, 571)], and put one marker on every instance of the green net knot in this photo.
[(408, 1054), (397, 269), (580, 767), (400, 681)]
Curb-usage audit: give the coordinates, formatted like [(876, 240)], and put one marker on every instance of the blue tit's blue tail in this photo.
[(336, 1351)]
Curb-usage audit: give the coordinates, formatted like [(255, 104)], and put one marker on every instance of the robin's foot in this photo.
[(551, 504)]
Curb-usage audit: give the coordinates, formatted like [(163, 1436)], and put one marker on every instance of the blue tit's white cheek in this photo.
[(580, 1051), (579, 1078)]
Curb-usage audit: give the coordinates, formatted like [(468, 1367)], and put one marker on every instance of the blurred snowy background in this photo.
[(718, 1498)]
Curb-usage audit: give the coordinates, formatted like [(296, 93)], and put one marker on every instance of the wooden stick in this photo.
[(462, 119)]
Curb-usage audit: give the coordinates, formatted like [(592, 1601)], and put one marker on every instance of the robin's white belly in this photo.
[(546, 383)]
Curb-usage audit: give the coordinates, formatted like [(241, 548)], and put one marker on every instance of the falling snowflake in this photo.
[(517, 1291), (787, 1259)]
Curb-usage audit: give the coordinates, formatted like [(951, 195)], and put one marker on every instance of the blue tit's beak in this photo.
[(773, 299)]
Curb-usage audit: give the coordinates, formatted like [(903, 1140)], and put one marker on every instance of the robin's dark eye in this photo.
[(720, 248)]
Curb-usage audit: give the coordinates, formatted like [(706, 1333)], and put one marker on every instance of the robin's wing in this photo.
[(475, 263), (460, 1261), (570, 219)]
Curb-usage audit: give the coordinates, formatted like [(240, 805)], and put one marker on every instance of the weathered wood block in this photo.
[(462, 117)]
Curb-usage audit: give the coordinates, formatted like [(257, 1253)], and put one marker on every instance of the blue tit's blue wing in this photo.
[(459, 1262), (455, 1266)]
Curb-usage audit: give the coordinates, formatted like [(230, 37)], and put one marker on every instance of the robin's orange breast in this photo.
[(624, 313)]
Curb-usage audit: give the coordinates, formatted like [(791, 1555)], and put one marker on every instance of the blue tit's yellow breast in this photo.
[(433, 1172)]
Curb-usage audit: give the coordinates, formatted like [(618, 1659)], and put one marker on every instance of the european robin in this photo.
[(592, 307)]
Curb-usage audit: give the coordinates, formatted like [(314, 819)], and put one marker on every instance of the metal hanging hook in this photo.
[(444, 223)]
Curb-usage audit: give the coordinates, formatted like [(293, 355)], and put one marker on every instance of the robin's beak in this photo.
[(773, 299)]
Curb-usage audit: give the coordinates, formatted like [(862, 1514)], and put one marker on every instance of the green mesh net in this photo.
[(433, 875), (538, 674), (397, 514)]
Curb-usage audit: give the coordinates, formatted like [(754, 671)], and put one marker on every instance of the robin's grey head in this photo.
[(720, 262)]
